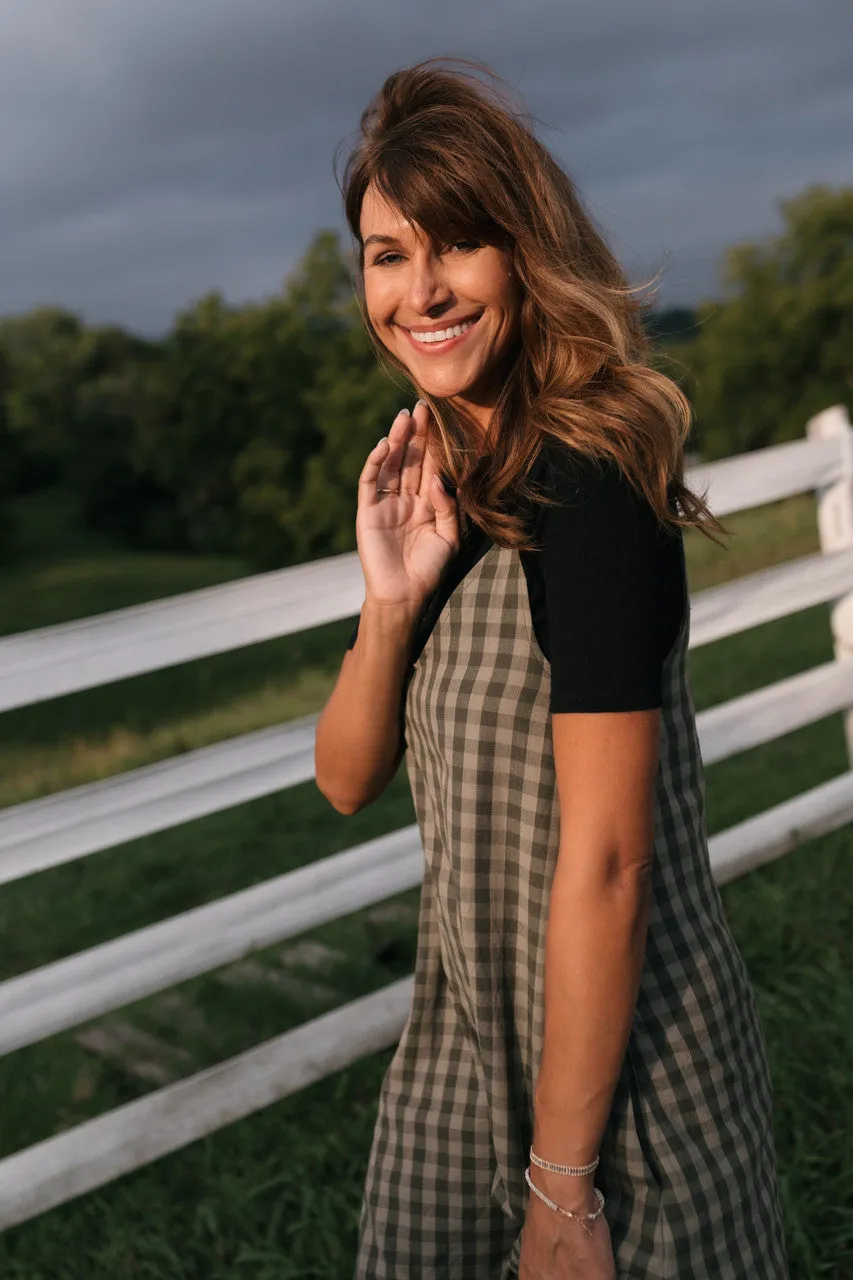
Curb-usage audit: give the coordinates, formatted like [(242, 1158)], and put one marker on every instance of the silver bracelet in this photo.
[(583, 1218), (576, 1170)]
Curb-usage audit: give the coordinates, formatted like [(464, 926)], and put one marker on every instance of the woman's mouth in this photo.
[(440, 340)]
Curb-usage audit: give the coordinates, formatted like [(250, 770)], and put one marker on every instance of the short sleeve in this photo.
[(614, 589)]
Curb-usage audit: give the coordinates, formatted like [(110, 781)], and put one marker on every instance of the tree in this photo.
[(50, 356), (8, 460), (248, 428), (353, 402), (780, 346)]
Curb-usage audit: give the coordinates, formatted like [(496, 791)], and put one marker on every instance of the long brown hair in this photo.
[(459, 160)]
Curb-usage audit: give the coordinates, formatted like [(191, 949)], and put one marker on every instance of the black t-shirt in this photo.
[(606, 590)]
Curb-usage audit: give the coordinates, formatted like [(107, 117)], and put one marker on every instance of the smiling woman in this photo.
[(581, 1089)]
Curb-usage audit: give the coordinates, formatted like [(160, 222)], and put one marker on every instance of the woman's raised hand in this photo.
[(406, 538)]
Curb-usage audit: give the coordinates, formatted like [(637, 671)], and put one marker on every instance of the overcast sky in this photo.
[(151, 150)]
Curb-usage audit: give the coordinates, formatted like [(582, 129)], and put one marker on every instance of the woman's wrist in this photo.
[(561, 1137), (574, 1193), (389, 614)]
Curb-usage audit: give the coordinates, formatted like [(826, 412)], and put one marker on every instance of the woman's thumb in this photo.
[(439, 495), (445, 507)]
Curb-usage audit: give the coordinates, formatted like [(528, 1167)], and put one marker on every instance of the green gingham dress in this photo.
[(687, 1162)]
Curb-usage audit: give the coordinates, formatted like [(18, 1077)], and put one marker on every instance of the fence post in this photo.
[(835, 526)]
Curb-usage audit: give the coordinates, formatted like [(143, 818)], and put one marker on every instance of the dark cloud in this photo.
[(150, 150)]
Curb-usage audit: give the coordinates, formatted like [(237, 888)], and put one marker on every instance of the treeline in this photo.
[(245, 428), (241, 430)]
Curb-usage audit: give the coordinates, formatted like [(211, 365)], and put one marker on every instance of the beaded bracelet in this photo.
[(582, 1218), (576, 1170)]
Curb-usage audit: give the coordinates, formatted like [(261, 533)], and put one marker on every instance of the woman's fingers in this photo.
[(446, 511), (427, 471), (410, 476), (389, 472), (403, 462), (369, 478)]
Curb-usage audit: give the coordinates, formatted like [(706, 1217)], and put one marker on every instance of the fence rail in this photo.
[(35, 836)]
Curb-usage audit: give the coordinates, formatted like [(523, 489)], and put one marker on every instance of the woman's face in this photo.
[(418, 294)]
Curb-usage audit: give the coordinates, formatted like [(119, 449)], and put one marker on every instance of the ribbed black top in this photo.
[(606, 590)]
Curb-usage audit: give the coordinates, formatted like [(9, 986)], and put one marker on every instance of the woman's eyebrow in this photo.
[(375, 239)]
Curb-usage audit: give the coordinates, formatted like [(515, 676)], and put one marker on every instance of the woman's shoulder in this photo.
[(592, 493), (570, 476)]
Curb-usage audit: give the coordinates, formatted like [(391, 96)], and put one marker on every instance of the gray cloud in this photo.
[(151, 151)]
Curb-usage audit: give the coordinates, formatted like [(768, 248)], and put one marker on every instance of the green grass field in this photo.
[(277, 1195)]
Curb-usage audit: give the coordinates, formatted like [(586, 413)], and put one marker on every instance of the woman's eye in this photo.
[(389, 259)]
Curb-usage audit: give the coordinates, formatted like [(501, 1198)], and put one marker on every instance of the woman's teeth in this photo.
[(442, 335)]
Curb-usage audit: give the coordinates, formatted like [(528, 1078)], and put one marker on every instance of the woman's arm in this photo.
[(606, 765), (407, 530), (358, 743), (614, 591)]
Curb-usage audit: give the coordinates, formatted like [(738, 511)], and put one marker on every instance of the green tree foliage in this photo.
[(8, 460), (109, 470), (50, 357), (262, 415), (351, 414), (779, 348), (245, 428), (51, 366), (671, 325)]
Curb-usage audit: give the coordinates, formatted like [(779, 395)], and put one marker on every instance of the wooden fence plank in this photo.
[(84, 986), (41, 664), (774, 710), (72, 824), (51, 1172), (766, 475), (783, 828), (770, 594)]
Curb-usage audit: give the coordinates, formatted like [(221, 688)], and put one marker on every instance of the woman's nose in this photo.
[(427, 286)]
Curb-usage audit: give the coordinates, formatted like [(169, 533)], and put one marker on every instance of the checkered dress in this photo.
[(687, 1160)]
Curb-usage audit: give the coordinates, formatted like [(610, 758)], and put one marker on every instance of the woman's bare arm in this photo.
[(359, 736), (595, 945), (407, 530)]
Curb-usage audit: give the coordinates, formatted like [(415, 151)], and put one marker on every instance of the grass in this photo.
[(277, 1195)]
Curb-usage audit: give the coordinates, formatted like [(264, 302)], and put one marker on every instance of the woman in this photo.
[(581, 1088)]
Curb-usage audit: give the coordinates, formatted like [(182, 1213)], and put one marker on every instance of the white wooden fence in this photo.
[(49, 832)]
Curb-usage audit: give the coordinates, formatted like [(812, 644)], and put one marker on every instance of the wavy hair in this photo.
[(459, 160)]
